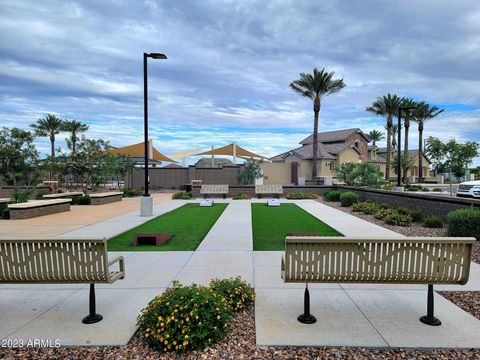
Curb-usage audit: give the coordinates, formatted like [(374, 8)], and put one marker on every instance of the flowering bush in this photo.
[(382, 213), (185, 318), (238, 293)]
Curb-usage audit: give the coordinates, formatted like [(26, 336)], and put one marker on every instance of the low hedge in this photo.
[(398, 219), (241, 196), (333, 195), (182, 196), (464, 222), (348, 198), (298, 195), (131, 192), (433, 222)]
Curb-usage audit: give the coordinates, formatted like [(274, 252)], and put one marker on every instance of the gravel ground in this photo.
[(467, 300), (240, 344)]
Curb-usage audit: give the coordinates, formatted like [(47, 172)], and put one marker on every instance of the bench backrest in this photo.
[(214, 189), (269, 189), (53, 261), (401, 260)]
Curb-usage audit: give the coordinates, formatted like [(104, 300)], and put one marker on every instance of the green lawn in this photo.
[(271, 224), (189, 224)]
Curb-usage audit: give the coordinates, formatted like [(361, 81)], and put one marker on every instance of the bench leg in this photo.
[(92, 317), (306, 317), (429, 319)]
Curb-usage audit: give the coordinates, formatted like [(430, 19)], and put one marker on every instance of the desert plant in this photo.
[(433, 222), (333, 195), (360, 174), (359, 206), (238, 293), (384, 206), (382, 213), (298, 195), (131, 192), (348, 198), (19, 196), (84, 200), (464, 222), (370, 209), (184, 318), (39, 195), (241, 196), (398, 219), (403, 211), (437, 190), (182, 196), (417, 216), (425, 189), (251, 172)]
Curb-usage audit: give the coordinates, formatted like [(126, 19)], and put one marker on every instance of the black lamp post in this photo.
[(145, 110), (399, 146)]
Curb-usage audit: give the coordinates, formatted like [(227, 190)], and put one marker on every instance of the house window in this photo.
[(356, 143), (331, 165)]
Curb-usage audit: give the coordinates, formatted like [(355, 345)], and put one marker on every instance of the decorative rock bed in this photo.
[(106, 197), (36, 208)]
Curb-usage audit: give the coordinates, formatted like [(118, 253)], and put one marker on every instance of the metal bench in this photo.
[(367, 260), (269, 189), (58, 261), (214, 190)]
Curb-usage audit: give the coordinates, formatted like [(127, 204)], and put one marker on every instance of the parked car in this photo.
[(469, 189)]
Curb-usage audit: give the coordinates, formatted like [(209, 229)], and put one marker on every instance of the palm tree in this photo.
[(49, 126), (407, 115), (422, 114), (375, 136), (394, 136), (316, 87), (74, 127), (387, 106)]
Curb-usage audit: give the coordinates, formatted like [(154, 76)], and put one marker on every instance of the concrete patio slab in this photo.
[(268, 277), (223, 258), (395, 314), (203, 274), (150, 259), (339, 322), (472, 285)]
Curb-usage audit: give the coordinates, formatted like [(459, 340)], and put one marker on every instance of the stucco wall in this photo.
[(276, 173)]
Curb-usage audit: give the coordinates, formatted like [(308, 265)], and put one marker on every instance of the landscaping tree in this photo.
[(423, 113), (407, 116), (73, 127), (250, 173), (375, 136), (387, 106), (406, 163), (451, 156), (49, 126), (118, 166), (360, 174), (316, 86)]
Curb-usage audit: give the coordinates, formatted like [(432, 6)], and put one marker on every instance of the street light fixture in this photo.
[(146, 206), (399, 147)]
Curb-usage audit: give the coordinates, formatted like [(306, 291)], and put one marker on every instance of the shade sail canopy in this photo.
[(138, 150), (184, 154), (233, 150)]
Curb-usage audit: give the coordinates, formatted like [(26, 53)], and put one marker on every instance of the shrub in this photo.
[(333, 195), (437, 190), (184, 318), (238, 293), (18, 196), (370, 209), (417, 216), (131, 192), (241, 196), (382, 213), (360, 174), (464, 222), (298, 195), (359, 206), (409, 187), (182, 196), (403, 211), (398, 219), (60, 191), (39, 195), (348, 198), (433, 222), (425, 189), (84, 200), (6, 213), (384, 206)]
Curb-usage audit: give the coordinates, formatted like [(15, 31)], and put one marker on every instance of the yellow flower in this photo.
[(174, 342), (187, 319), (218, 317), (165, 342), (186, 336), (147, 335)]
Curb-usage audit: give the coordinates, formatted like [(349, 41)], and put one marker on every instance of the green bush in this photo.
[(348, 198), (417, 216), (182, 196), (398, 219), (131, 192), (39, 195), (403, 211), (298, 195), (333, 195), (384, 206), (433, 222), (6, 213), (409, 187), (238, 293), (241, 196), (184, 318), (425, 189), (382, 213), (464, 222), (84, 200), (370, 209), (359, 206), (437, 190)]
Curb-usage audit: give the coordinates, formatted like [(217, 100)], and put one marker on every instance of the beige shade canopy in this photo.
[(138, 150), (233, 150)]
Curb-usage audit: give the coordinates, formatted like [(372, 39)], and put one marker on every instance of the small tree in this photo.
[(361, 174), (119, 166), (250, 173), (406, 163)]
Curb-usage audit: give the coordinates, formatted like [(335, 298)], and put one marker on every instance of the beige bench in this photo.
[(269, 189), (71, 194), (206, 190), (311, 259), (58, 261), (105, 198), (34, 208)]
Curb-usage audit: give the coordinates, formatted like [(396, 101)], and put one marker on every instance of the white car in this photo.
[(469, 189)]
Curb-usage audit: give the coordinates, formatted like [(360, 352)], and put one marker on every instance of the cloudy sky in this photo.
[(229, 66)]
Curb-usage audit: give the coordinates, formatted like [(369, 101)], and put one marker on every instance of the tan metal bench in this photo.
[(368, 260), (269, 189), (58, 261), (214, 190)]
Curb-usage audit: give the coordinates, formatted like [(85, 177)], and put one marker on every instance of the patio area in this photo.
[(347, 314)]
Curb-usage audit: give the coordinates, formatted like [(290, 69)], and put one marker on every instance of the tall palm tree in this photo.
[(49, 126), (387, 106), (407, 116), (315, 87), (375, 136), (74, 127), (394, 136), (421, 115)]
